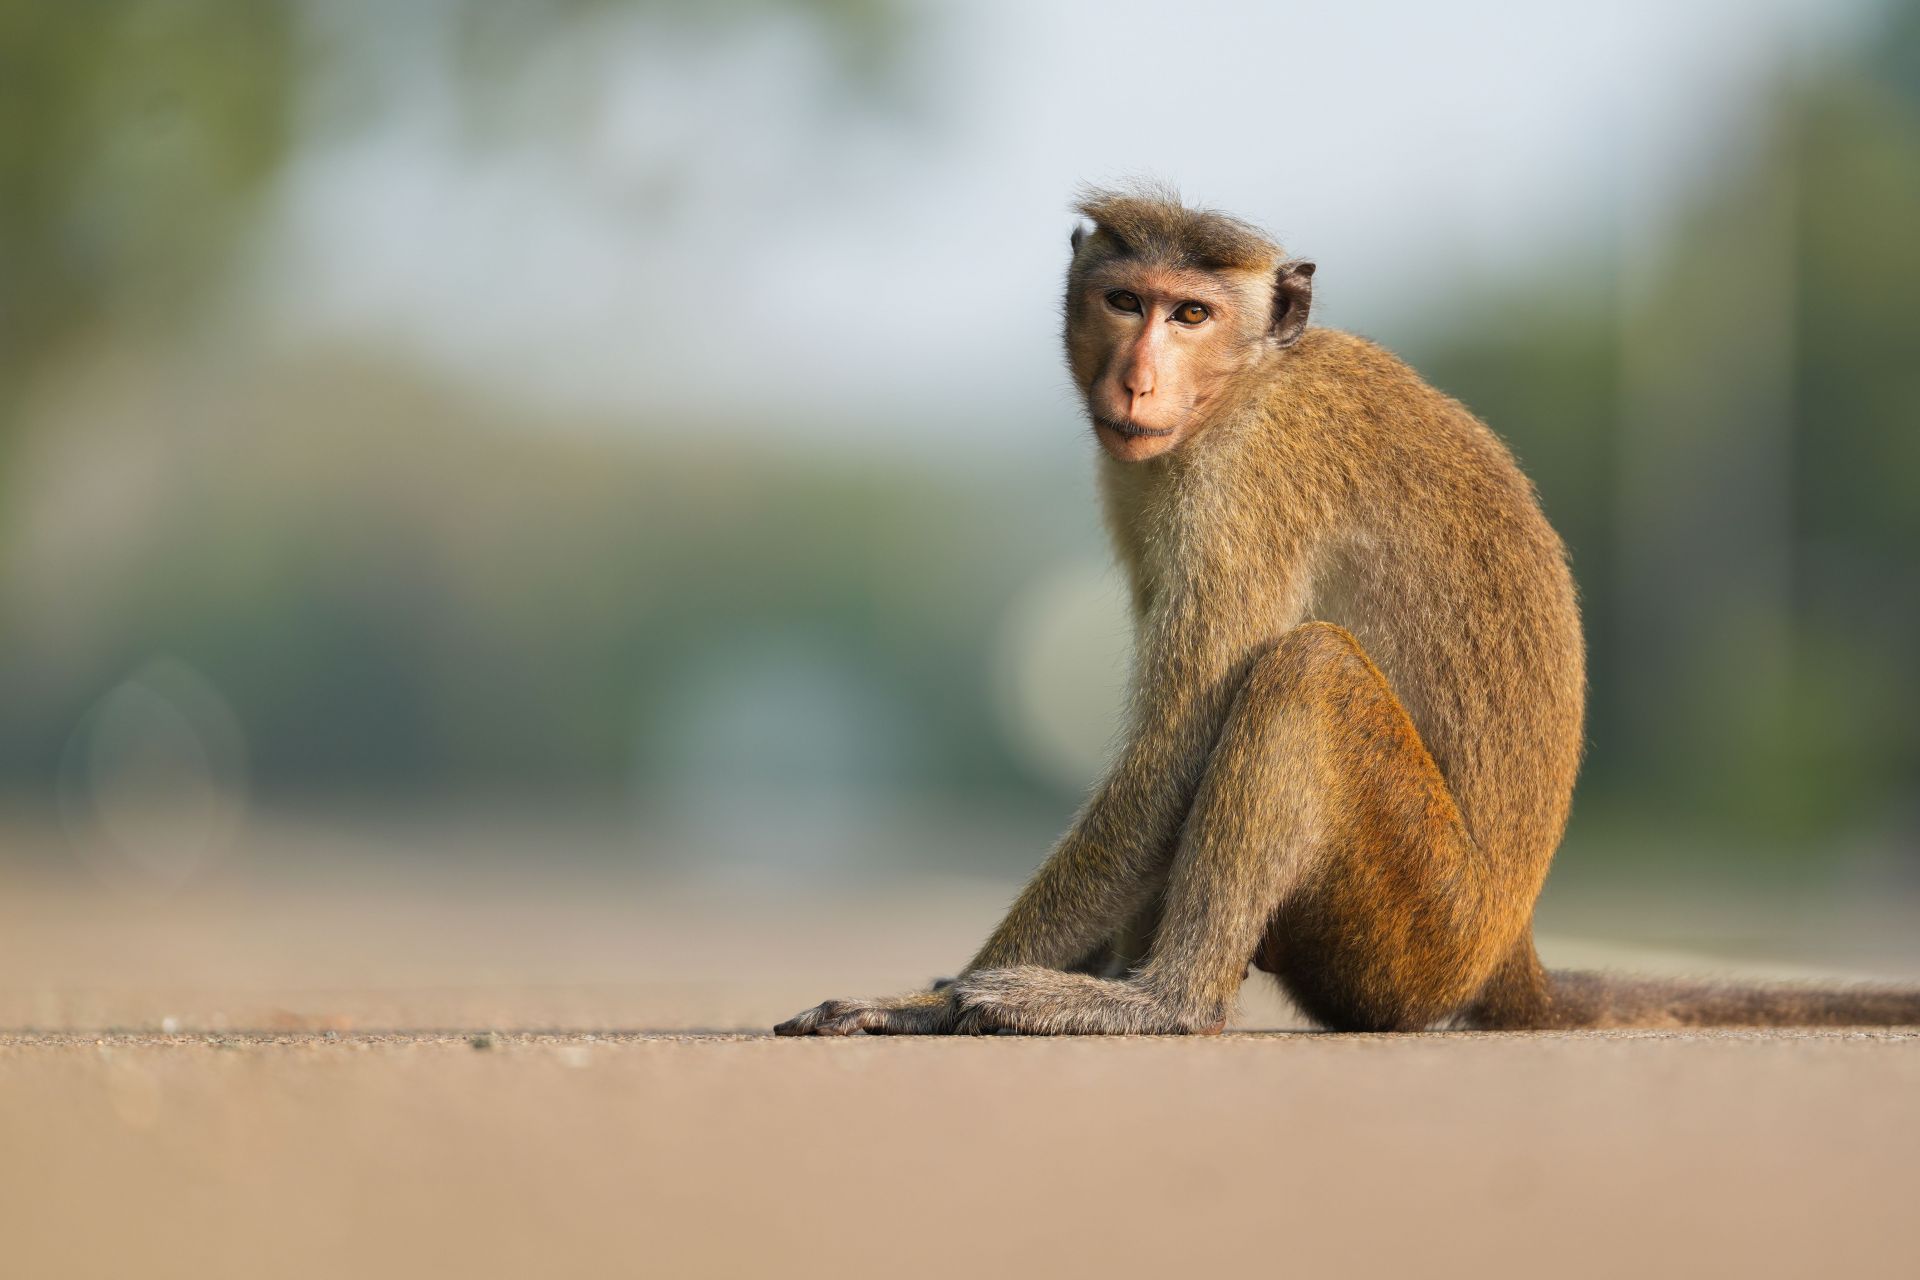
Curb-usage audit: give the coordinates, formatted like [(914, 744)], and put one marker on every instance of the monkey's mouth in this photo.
[(1131, 431)]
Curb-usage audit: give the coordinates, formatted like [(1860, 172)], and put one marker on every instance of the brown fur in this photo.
[(1357, 700), (1153, 226)]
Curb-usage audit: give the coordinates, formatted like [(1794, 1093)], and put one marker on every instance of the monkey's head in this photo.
[(1165, 305)]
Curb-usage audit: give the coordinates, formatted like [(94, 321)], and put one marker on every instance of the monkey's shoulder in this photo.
[(1363, 393), (1349, 364)]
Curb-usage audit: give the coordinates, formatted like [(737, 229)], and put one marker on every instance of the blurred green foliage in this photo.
[(469, 604), (1813, 237), (402, 590), (136, 135), (132, 137)]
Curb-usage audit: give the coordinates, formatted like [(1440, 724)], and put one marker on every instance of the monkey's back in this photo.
[(1443, 565)]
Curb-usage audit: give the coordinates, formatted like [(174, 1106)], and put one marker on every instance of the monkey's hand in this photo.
[(1048, 1002), (924, 1013)]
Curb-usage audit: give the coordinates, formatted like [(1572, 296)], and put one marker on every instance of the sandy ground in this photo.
[(1778, 1155), (434, 1074)]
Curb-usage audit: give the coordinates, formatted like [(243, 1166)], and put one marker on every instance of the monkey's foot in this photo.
[(1049, 1002), (924, 1013)]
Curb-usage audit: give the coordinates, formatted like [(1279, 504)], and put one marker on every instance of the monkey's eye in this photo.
[(1190, 313), (1121, 300)]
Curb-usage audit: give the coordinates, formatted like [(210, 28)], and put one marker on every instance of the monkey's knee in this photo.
[(1321, 642), (1312, 656)]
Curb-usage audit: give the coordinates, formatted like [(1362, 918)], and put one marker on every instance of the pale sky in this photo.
[(698, 231)]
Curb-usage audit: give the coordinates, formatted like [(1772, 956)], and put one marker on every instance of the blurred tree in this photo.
[(1855, 714), (1730, 450), (131, 138), (136, 135)]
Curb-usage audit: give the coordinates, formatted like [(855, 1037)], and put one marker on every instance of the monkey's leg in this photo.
[(1318, 799)]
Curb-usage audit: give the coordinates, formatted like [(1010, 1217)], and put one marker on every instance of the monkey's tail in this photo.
[(1523, 995), (1577, 998)]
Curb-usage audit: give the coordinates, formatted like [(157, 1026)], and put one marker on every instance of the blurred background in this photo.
[(616, 456)]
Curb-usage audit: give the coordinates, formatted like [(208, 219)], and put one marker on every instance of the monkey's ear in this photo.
[(1292, 300), (1079, 235)]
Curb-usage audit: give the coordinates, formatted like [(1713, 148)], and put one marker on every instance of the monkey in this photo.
[(1357, 695)]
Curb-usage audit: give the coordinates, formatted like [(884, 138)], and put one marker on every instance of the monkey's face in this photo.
[(1153, 347)]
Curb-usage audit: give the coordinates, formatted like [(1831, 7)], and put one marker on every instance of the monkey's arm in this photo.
[(1103, 872)]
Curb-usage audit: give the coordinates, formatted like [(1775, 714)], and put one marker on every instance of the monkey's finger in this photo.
[(876, 1017), (838, 1027), (884, 1019), (808, 1023), (852, 1022), (843, 1018)]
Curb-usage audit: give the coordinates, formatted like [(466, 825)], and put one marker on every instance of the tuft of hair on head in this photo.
[(1148, 220)]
